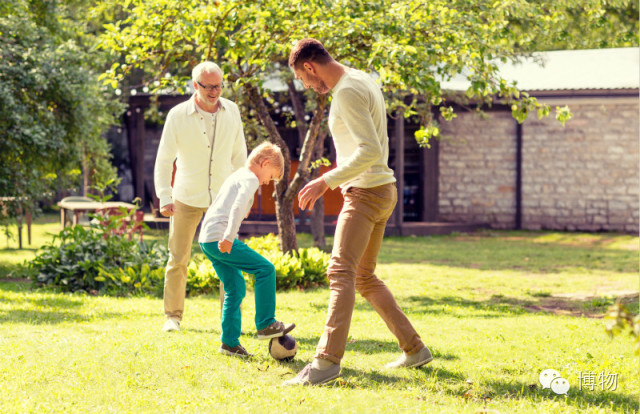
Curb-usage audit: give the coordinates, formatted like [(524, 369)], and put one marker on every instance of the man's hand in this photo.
[(311, 192), (168, 210), (225, 246)]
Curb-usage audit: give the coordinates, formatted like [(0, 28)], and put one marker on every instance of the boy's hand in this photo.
[(225, 246)]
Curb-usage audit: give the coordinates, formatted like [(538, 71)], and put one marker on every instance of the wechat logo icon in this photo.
[(550, 378)]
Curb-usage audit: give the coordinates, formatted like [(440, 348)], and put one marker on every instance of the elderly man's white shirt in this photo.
[(201, 167)]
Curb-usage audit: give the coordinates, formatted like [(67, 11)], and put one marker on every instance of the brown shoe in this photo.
[(275, 330), (236, 351)]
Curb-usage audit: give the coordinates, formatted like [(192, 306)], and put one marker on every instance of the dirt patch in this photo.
[(581, 304)]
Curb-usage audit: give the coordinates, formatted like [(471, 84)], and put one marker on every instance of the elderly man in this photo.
[(204, 137)]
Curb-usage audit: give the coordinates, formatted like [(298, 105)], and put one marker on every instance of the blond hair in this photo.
[(267, 152)]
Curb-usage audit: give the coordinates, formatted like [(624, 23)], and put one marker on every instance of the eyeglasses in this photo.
[(211, 88)]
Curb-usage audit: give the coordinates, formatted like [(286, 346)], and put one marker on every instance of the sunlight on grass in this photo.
[(495, 308)]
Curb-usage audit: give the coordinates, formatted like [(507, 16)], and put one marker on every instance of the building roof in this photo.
[(569, 70)]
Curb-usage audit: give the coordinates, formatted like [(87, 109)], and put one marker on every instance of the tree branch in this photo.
[(272, 131), (302, 174)]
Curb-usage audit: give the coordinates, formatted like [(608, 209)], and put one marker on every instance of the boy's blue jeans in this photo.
[(229, 268)]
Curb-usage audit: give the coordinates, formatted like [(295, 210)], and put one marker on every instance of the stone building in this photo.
[(541, 175)]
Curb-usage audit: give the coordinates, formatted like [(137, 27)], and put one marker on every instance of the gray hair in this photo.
[(205, 67)]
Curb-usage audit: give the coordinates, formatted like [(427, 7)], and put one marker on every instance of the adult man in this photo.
[(204, 136), (358, 124)]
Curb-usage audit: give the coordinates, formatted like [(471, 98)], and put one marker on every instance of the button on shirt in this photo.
[(209, 122)]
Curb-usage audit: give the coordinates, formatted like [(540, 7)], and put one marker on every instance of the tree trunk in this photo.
[(85, 173), (317, 215), (285, 191), (317, 224)]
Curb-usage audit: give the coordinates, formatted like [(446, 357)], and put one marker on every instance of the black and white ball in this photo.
[(283, 348)]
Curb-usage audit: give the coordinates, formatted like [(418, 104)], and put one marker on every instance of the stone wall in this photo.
[(584, 176)]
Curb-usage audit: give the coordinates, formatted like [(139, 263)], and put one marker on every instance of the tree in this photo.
[(412, 46), (52, 109)]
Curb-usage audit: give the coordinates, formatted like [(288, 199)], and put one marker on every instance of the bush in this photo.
[(201, 277), (620, 320), (304, 269), (96, 260)]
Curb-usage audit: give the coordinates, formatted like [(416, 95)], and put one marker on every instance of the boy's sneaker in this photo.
[(313, 376), (418, 359), (275, 330), (236, 351), (171, 325)]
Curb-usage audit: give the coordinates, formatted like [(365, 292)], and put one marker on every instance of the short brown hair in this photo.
[(267, 152), (308, 50)]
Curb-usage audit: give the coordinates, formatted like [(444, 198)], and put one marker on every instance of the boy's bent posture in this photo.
[(230, 257)]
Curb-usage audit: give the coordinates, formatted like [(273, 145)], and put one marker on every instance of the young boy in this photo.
[(230, 256)]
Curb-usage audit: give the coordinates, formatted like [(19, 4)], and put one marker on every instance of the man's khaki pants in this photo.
[(182, 230), (357, 241)]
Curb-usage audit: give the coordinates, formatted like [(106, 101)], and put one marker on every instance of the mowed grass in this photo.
[(496, 308)]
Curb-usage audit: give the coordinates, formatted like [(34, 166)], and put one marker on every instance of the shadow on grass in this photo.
[(581, 399), (499, 306), (354, 378), (455, 384)]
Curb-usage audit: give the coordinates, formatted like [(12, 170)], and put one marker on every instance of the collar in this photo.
[(191, 105)]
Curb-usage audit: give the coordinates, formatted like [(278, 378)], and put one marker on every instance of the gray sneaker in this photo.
[(236, 351), (275, 330), (418, 359), (311, 376)]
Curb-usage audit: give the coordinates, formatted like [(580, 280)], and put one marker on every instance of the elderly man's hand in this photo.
[(168, 210)]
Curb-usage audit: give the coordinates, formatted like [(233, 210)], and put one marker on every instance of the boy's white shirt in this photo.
[(232, 204)]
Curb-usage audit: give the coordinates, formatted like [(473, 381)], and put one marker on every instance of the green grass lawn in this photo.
[(496, 308)]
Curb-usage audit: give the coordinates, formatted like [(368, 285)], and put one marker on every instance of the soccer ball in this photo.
[(283, 348)]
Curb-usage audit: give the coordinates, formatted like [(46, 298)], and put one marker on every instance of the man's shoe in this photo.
[(171, 325), (275, 330), (236, 351), (313, 376), (418, 359)]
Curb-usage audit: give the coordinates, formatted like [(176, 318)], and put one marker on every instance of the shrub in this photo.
[(201, 277), (304, 269), (96, 260), (620, 320)]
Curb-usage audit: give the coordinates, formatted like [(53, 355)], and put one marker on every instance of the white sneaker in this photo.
[(171, 325)]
